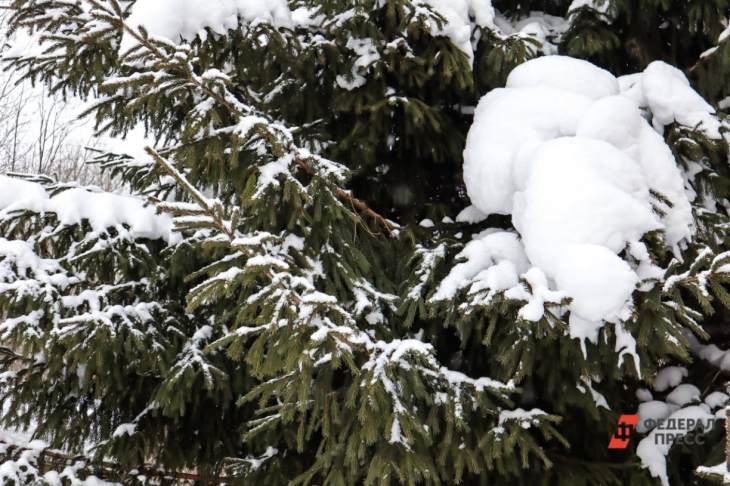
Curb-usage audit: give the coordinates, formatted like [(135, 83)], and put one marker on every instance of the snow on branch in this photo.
[(101, 210)]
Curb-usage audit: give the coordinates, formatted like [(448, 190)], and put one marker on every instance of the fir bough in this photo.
[(287, 328)]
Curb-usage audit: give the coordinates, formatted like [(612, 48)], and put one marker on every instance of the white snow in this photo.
[(724, 35), (538, 296), (598, 281), (684, 394), (644, 395), (525, 418), (566, 74), (470, 214), (101, 210), (618, 121), (669, 377), (125, 429), (710, 353), (461, 18), (19, 258), (367, 55), (176, 19), (601, 6), (538, 26), (565, 150), (426, 223), (670, 98), (626, 345), (586, 384), (716, 399), (493, 260), (18, 191), (23, 465), (508, 125), (652, 411), (719, 472), (583, 202)]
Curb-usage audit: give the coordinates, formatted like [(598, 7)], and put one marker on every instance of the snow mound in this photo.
[(566, 150), (666, 92), (507, 123), (564, 73), (598, 281), (184, 19)]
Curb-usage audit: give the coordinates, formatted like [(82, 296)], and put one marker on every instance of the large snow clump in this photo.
[(577, 158)]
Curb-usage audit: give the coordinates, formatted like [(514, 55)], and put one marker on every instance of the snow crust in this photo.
[(101, 210), (566, 150)]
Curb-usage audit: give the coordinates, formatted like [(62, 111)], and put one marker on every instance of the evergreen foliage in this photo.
[(281, 323)]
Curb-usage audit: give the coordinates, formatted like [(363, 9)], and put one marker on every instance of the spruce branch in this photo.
[(207, 205), (7, 356), (708, 56), (114, 15), (377, 359)]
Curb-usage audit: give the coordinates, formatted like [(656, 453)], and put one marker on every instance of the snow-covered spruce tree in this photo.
[(283, 320)]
